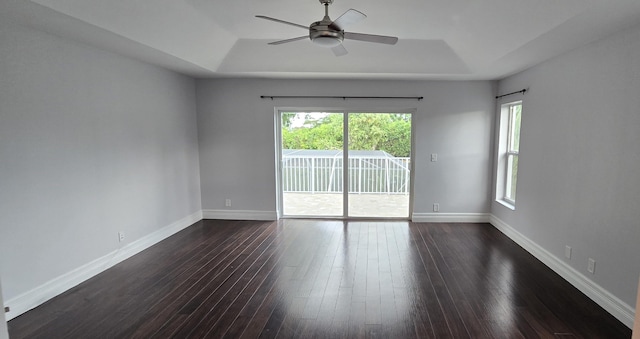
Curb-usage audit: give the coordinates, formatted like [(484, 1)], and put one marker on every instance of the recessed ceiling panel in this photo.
[(408, 56)]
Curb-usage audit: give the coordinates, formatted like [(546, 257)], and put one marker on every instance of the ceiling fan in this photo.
[(328, 33)]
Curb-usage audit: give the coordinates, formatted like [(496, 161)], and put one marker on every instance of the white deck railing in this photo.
[(323, 174)]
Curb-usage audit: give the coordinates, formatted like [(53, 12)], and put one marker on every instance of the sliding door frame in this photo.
[(345, 157)]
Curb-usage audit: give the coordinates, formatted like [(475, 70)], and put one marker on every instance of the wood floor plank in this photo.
[(163, 312), (222, 316), (269, 316), (445, 319), (177, 280), (325, 279), (223, 285)]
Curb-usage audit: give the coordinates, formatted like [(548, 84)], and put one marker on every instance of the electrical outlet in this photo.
[(7, 309), (591, 267), (434, 157), (227, 202), (436, 207), (121, 236), (567, 252)]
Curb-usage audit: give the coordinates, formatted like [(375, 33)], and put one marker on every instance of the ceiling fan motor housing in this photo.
[(323, 35)]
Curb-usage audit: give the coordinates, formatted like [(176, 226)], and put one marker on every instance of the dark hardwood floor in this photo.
[(325, 279)]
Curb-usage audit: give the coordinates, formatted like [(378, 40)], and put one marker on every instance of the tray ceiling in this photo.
[(454, 39)]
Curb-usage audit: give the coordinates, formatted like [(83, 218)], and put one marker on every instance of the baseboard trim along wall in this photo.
[(240, 215), (37, 296), (602, 297), (59, 285), (450, 217)]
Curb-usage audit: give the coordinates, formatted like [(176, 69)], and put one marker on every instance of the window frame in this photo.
[(508, 154)]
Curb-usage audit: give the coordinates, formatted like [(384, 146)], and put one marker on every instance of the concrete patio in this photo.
[(360, 205)]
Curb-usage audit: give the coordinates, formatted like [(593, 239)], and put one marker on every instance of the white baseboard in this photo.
[(450, 217), (37, 296), (240, 215), (602, 297)]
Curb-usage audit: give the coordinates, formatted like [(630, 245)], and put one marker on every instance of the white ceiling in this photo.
[(439, 39)]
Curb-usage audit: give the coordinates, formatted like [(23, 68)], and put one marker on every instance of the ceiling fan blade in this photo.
[(281, 21), (280, 42), (339, 50), (380, 39), (348, 18)]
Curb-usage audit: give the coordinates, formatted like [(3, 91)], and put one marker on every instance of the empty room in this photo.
[(319, 169)]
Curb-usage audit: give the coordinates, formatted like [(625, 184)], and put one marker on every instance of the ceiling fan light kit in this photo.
[(322, 35), (327, 41), (331, 34)]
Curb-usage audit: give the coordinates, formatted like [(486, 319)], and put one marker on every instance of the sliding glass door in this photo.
[(314, 148), (379, 165), (311, 153)]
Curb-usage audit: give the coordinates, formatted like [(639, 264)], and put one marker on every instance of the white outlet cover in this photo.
[(591, 266)]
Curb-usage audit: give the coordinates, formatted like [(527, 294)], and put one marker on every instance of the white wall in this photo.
[(91, 144), (237, 150), (4, 334), (578, 179)]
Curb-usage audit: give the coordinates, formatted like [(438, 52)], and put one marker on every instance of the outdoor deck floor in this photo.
[(360, 205)]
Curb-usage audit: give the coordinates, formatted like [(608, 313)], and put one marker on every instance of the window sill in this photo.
[(506, 204)]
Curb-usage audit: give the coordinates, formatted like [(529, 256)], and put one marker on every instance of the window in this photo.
[(509, 152)]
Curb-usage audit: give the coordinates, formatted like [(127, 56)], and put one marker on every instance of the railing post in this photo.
[(360, 176), (313, 175), (407, 176), (333, 167), (386, 168)]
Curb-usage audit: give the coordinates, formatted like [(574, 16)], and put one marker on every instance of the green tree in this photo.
[(287, 118), (367, 131)]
